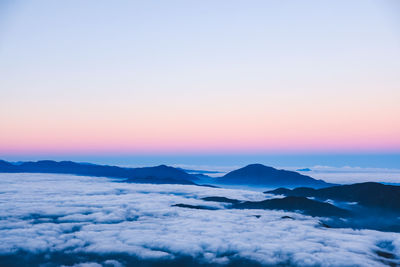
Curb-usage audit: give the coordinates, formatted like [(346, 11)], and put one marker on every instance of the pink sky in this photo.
[(195, 78)]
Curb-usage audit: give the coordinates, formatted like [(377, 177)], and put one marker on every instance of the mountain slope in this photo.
[(369, 194), (158, 174), (7, 166), (302, 204), (258, 174)]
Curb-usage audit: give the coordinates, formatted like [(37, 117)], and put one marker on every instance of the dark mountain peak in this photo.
[(163, 166), (259, 174), (162, 171), (256, 167)]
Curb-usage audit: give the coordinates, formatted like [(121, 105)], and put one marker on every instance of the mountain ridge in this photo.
[(296, 203), (369, 194), (259, 174), (251, 175), (156, 174)]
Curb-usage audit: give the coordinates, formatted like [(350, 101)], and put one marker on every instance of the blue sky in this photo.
[(151, 77)]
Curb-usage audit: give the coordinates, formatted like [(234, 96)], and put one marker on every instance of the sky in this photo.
[(199, 77)]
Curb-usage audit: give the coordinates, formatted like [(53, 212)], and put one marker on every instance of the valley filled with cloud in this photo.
[(55, 220)]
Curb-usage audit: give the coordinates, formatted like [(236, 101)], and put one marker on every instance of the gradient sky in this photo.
[(199, 76)]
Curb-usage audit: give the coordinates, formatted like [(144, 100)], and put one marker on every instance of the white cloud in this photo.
[(347, 174), (42, 213)]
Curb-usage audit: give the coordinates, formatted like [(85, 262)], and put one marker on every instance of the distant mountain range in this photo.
[(251, 175), (261, 175), (361, 204), (302, 204), (159, 174), (372, 195)]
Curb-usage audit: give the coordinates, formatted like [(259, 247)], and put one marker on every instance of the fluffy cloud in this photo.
[(346, 175), (99, 221)]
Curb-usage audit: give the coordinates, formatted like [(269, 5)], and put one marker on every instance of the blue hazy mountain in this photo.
[(7, 166), (295, 204), (302, 204), (292, 203), (158, 174), (254, 174), (304, 170), (372, 195), (261, 175)]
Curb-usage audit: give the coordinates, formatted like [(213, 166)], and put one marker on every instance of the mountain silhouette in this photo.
[(370, 194), (258, 174), (292, 203), (158, 174), (196, 207), (304, 170), (221, 199)]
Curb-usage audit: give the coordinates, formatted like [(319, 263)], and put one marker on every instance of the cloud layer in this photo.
[(42, 214), (346, 174)]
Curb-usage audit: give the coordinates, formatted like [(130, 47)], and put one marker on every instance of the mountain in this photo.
[(304, 170), (196, 207), (159, 174), (295, 204), (258, 174), (302, 204), (6, 166), (372, 195), (221, 199)]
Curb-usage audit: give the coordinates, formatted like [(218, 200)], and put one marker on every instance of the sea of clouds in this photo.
[(348, 174), (51, 220)]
